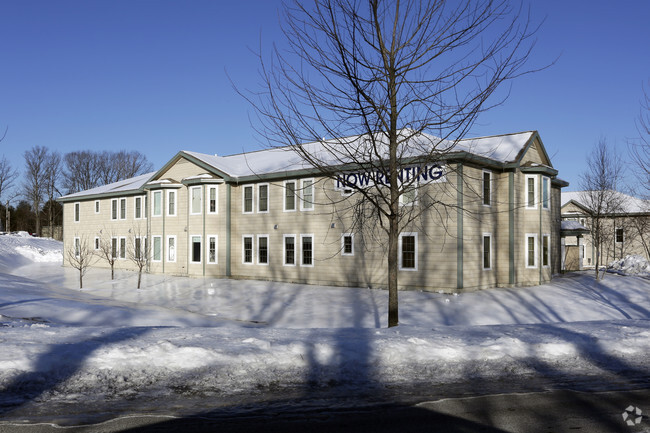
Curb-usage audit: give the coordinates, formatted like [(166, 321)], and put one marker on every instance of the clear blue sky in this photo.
[(151, 76)]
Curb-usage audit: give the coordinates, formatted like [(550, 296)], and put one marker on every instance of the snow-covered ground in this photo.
[(223, 343)]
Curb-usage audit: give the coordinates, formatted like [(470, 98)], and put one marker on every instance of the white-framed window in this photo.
[(407, 245), (546, 193), (122, 248), (172, 248), (487, 251), (289, 195), (195, 249), (263, 198), (114, 209), (97, 243), (77, 247), (123, 208), (262, 249), (307, 250), (137, 207), (213, 199), (531, 191), (409, 196), (157, 249), (289, 242), (307, 194), (114, 248), (247, 249), (77, 212), (139, 245), (546, 250), (619, 235), (212, 245), (195, 200), (347, 244), (531, 250), (97, 206), (247, 199), (487, 188), (171, 202), (156, 204)]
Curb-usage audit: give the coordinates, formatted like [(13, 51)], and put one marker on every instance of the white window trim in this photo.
[(483, 191), (295, 196), (399, 251), (216, 249), (191, 197), (170, 192), (135, 200), (243, 199), (135, 246), (243, 249), (216, 200), (76, 209), (535, 193), (313, 250), (126, 208), (191, 250), (268, 197), (486, 235), (98, 207), (268, 250), (77, 246), (97, 243), (153, 204), (343, 236), (302, 198), (115, 205), (167, 249), (416, 188), (153, 249), (115, 254), (548, 252), (546, 205), (535, 236), (121, 252), (616, 229), (284, 250)]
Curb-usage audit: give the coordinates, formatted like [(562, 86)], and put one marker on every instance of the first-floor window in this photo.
[(137, 248), (347, 244), (289, 250), (212, 249), (171, 248), (122, 248), (196, 249), (408, 251), (487, 251), (96, 243), (546, 250), (263, 249), (247, 249), (114, 248), (531, 251), (77, 247), (157, 248), (307, 250)]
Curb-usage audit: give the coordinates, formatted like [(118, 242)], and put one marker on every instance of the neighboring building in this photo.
[(627, 227), (267, 215)]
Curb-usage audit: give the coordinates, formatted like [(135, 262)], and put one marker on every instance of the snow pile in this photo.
[(630, 265), (21, 249)]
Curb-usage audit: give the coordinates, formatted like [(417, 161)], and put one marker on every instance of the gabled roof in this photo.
[(628, 203), (130, 185)]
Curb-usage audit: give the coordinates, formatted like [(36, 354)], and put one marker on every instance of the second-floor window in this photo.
[(171, 203), (195, 200), (290, 195), (263, 197), (248, 199), (487, 188)]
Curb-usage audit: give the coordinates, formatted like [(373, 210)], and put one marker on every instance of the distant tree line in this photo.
[(31, 204)]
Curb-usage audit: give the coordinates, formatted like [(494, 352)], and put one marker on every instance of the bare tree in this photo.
[(80, 172), (7, 176), (80, 255), (52, 179), (640, 148), (374, 76), (137, 250), (599, 182), (34, 186), (108, 248)]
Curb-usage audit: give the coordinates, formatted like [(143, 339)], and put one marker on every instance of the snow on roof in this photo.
[(572, 225), (502, 148), (126, 185), (629, 203)]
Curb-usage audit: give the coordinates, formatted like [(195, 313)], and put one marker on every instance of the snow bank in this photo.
[(630, 265), (21, 249)]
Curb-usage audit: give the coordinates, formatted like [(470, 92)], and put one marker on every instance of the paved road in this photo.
[(544, 412)]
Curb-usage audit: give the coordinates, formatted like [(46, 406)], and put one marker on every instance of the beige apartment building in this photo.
[(266, 215)]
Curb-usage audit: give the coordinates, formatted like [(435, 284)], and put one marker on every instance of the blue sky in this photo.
[(152, 76)]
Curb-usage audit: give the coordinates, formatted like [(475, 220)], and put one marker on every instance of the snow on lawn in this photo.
[(219, 338)]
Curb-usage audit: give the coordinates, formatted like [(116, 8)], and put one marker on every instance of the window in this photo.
[(487, 188), (137, 248), (122, 208), (531, 251), (247, 205), (171, 203), (531, 192), (263, 198), (487, 251), (114, 250), (347, 244), (247, 249), (122, 248), (114, 209), (546, 251), (408, 251), (77, 212), (137, 208), (195, 250), (157, 248), (157, 204), (195, 199), (307, 202), (96, 243), (307, 250), (546, 193), (289, 250), (77, 247), (620, 237), (262, 249), (171, 248), (212, 200), (96, 206), (290, 196), (212, 249)]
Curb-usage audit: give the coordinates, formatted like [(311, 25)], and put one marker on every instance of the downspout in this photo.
[(228, 228), (511, 227), (459, 227)]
